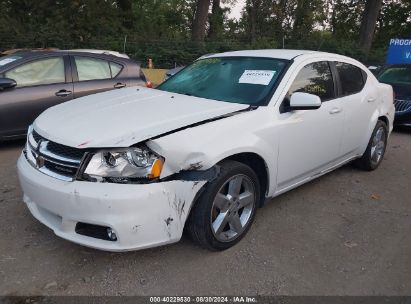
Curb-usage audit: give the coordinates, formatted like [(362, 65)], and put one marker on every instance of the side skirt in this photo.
[(314, 176)]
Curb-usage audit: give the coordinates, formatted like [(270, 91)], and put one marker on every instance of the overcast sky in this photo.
[(236, 10)]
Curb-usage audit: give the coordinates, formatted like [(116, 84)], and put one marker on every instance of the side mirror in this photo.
[(7, 83), (304, 101)]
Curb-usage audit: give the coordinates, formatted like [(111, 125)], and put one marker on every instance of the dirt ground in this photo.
[(346, 233)]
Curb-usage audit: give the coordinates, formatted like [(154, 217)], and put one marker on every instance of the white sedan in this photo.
[(130, 169)]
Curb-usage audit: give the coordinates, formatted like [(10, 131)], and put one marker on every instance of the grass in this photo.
[(156, 76)]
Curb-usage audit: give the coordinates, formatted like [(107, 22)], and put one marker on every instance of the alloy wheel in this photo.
[(378, 145), (232, 208)]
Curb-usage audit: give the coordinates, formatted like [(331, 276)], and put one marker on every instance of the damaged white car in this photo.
[(130, 169)]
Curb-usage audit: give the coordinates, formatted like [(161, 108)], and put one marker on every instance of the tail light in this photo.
[(149, 84)]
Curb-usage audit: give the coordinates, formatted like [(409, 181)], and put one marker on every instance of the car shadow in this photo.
[(402, 129), (12, 144)]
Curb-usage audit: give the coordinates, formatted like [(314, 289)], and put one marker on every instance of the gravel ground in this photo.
[(346, 233)]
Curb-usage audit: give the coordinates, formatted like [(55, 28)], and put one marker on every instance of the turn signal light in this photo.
[(156, 169)]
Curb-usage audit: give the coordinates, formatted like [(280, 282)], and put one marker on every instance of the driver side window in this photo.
[(39, 72), (315, 78)]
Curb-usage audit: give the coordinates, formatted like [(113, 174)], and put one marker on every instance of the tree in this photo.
[(280, 15), (307, 14), (368, 23), (200, 20), (216, 20), (126, 7), (393, 22)]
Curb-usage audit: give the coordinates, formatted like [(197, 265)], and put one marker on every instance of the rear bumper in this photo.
[(142, 216)]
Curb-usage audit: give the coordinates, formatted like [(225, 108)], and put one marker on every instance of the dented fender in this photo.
[(202, 147)]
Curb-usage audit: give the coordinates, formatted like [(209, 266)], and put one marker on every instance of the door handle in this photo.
[(335, 110), (371, 99), (119, 85), (63, 93)]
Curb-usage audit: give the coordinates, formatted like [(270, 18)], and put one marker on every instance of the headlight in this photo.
[(124, 165)]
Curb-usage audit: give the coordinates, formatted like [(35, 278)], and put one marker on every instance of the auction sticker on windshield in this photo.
[(256, 77), (8, 60)]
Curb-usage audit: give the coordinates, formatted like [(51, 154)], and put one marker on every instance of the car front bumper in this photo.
[(402, 112), (141, 215), (403, 118)]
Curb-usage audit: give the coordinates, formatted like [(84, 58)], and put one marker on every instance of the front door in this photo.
[(309, 139)]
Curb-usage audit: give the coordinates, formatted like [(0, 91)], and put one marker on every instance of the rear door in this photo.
[(358, 100), (41, 83), (93, 75)]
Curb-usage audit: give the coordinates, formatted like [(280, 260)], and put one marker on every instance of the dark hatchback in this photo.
[(399, 77), (31, 82)]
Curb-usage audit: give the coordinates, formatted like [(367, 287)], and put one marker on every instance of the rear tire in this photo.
[(224, 212), (375, 151)]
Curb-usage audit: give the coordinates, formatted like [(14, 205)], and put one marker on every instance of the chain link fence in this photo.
[(171, 53)]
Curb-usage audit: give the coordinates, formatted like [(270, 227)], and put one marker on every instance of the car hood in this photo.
[(121, 118)]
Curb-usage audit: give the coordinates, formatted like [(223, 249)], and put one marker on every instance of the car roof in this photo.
[(94, 51), (270, 53), (26, 56), (35, 53)]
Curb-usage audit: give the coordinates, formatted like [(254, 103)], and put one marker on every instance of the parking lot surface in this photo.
[(346, 233)]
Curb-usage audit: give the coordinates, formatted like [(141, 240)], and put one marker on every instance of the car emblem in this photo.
[(40, 161)]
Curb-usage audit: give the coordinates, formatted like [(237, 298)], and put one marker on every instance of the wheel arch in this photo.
[(385, 119), (258, 165), (377, 115)]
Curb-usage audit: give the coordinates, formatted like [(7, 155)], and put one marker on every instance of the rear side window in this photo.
[(315, 78), (351, 78), (115, 69), (95, 69)]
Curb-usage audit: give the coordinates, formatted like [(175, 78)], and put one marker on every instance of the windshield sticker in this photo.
[(256, 77), (7, 60)]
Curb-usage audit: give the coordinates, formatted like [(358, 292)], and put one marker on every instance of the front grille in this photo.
[(36, 136), (60, 169), (53, 159), (402, 105), (65, 151)]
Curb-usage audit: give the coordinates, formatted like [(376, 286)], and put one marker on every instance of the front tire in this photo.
[(375, 151), (226, 209)]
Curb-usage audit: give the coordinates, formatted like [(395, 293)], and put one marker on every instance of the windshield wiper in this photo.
[(189, 94)]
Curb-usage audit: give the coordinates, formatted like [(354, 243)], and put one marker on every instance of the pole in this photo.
[(124, 45)]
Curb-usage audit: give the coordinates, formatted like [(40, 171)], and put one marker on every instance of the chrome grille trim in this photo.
[(43, 151), (36, 136), (402, 105), (52, 164), (31, 140)]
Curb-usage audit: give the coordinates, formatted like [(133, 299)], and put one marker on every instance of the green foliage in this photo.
[(394, 21), (161, 29)]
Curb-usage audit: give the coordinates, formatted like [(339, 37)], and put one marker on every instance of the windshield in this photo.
[(8, 59), (245, 80), (396, 74)]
